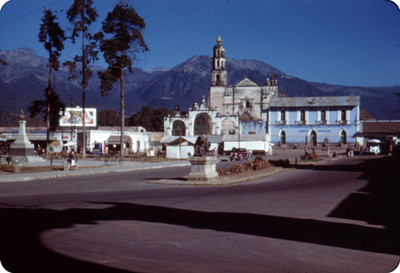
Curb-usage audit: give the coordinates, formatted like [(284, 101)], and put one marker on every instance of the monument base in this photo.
[(203, 168), (28, 158), (22, 149)]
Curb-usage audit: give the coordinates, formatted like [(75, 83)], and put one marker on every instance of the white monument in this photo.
[(22, 148)]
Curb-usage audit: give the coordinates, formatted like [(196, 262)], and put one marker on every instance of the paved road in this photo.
[(341, 216)]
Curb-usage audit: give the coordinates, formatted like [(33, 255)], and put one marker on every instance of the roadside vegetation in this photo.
[(258, 164)]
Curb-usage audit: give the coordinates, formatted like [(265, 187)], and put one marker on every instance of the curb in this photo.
[(220, 182)]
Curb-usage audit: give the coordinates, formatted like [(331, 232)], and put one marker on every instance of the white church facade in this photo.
[(256, 117)]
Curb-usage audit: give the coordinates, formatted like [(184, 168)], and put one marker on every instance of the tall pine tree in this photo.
[(123, 39), (52, 37), (81, 15)]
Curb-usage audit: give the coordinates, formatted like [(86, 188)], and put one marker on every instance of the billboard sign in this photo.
[(73, 117)]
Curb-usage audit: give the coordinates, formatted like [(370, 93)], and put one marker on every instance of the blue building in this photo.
[(313, 120)]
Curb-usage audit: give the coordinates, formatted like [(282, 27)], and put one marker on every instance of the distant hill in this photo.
[(381, 102), (25, 78)]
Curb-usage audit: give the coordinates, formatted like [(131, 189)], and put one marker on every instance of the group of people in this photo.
[(40, 150), (349, 151)]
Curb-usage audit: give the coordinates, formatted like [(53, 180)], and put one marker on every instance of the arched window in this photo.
[(202, 124), (343, 137), (178, 128), (218, 80), (343, 115), (282, 137), (303, 116), (283, 115), (323, 115), (248, 104)]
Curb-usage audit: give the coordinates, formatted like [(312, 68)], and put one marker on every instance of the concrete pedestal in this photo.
[(22, 147), (203, 168)]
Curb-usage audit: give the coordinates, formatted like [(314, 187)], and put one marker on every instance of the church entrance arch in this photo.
[(227, 126), (178, 128), (282, 137), (343, 137), (313, 138), (202, 124)]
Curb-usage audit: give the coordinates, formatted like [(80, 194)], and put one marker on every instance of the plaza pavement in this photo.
[(92, 166)]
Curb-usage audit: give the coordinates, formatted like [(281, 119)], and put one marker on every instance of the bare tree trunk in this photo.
[(48, 110), (83, 93), (122, 113)]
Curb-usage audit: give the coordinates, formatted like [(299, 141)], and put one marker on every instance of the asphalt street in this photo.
[(339, 216)]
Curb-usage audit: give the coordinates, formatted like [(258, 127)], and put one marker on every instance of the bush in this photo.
[(312, 156), (227, 172), (280, 163), (220, 171), (248, 165), (237, 168), (260, 163)]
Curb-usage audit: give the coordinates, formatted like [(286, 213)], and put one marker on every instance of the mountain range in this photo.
[(25, 77)]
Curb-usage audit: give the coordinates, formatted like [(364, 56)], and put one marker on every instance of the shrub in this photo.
[(260, 163), (248, 165), (280, 163), (220, 171), (237, 168), (227, 172)]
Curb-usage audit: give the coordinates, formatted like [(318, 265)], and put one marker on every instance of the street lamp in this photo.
[(238, 115)]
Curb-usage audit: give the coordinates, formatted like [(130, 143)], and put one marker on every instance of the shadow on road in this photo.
[(22, 251), (378, 203)]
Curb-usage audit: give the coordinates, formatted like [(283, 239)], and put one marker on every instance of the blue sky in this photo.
[(342, 42)]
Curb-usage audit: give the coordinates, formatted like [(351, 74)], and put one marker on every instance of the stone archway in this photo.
[(282, 137), (178, 128), (227, 126), (202, 125), (343, 137), (313, 138)]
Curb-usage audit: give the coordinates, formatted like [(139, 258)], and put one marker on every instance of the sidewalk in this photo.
[(88, 167)]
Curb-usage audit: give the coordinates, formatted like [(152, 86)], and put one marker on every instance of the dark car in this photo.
[(239, 154)]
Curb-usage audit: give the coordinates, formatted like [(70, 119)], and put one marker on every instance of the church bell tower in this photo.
[(218, 74)]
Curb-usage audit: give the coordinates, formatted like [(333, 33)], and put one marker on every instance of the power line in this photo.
[(29, 13)]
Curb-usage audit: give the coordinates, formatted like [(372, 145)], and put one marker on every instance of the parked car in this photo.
[(239, 154), (376, 146)]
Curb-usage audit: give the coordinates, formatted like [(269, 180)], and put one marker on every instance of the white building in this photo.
[(235, 113), (135, 139)]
